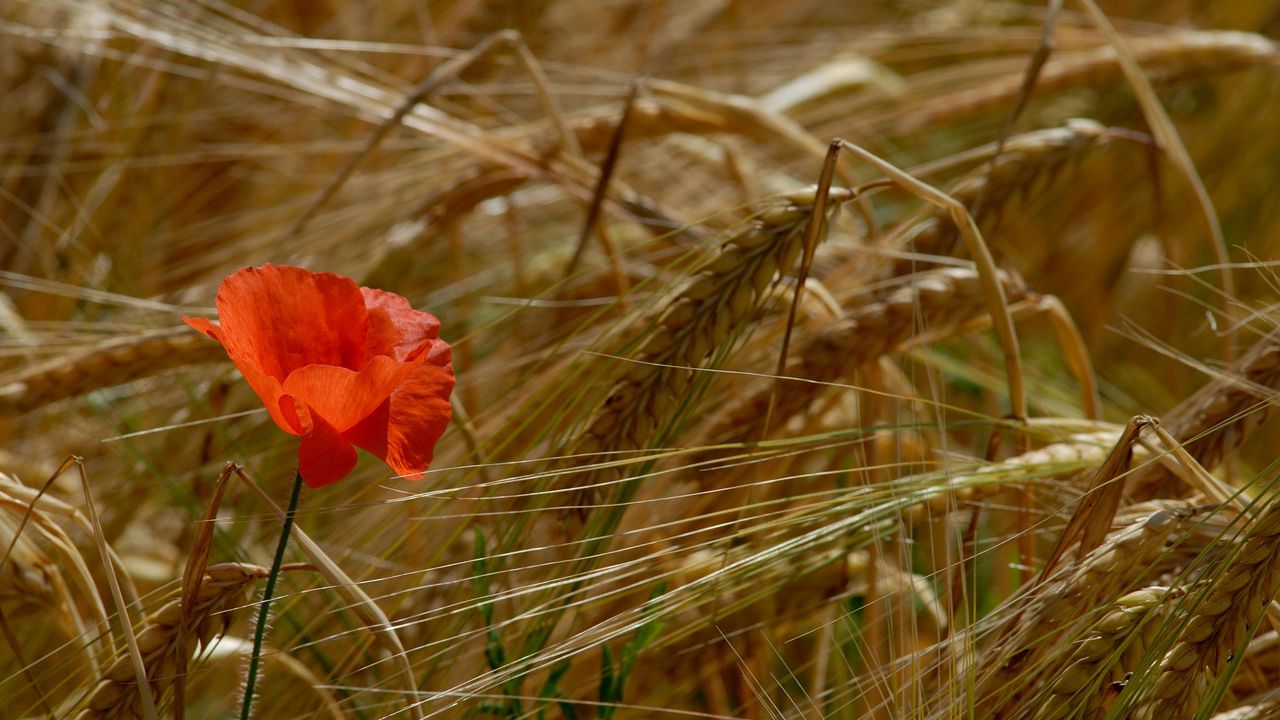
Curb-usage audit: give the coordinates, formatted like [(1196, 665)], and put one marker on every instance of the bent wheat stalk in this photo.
[(1028, 164), (1218, 417), (988, 276)]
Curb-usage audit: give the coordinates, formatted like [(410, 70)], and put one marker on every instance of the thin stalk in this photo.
[(266, 596)]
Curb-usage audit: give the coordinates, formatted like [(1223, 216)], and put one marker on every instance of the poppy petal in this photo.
[(370, 434), (266, 387), (339, 365), (395, 328), (204, 326), (419, 413), (279, 319), (323, 456), (345, 397)]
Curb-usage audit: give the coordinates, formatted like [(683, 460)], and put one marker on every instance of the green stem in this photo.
[(261, 632)]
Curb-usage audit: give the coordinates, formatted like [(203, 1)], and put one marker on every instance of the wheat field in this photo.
[(964, 416)]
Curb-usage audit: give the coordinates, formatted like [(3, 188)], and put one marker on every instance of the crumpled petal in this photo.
[(404, 430), (420, 412), (370, 434), (395, 328)]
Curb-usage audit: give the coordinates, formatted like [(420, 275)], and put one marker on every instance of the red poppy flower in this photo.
[(339, 365)]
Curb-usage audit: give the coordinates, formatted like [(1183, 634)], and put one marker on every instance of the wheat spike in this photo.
[(702, 316), (1173, 56), (1027, 166), (1077, 452), (929, 305), (1057, 605), (1114, 645), (225, 588), (27, 577), (110, 363), (1220, 624)]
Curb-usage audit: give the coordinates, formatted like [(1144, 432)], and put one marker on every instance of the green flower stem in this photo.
[(261, 632)]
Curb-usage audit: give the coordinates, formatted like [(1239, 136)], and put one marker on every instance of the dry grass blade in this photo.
[(169, 637), (988, 275), (192, 577), (135, 662), (598, 195), (1175, 458), (1097, 509), (1038, 58)]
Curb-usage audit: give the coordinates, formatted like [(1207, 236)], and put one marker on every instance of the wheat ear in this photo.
[(224, 590), (27, 575), (1028, 164), (1027, 639), (1169, 57), (702, 316), (1113, 646), (929, 305), (110, 363), (1220, 625), (1076, 452)]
